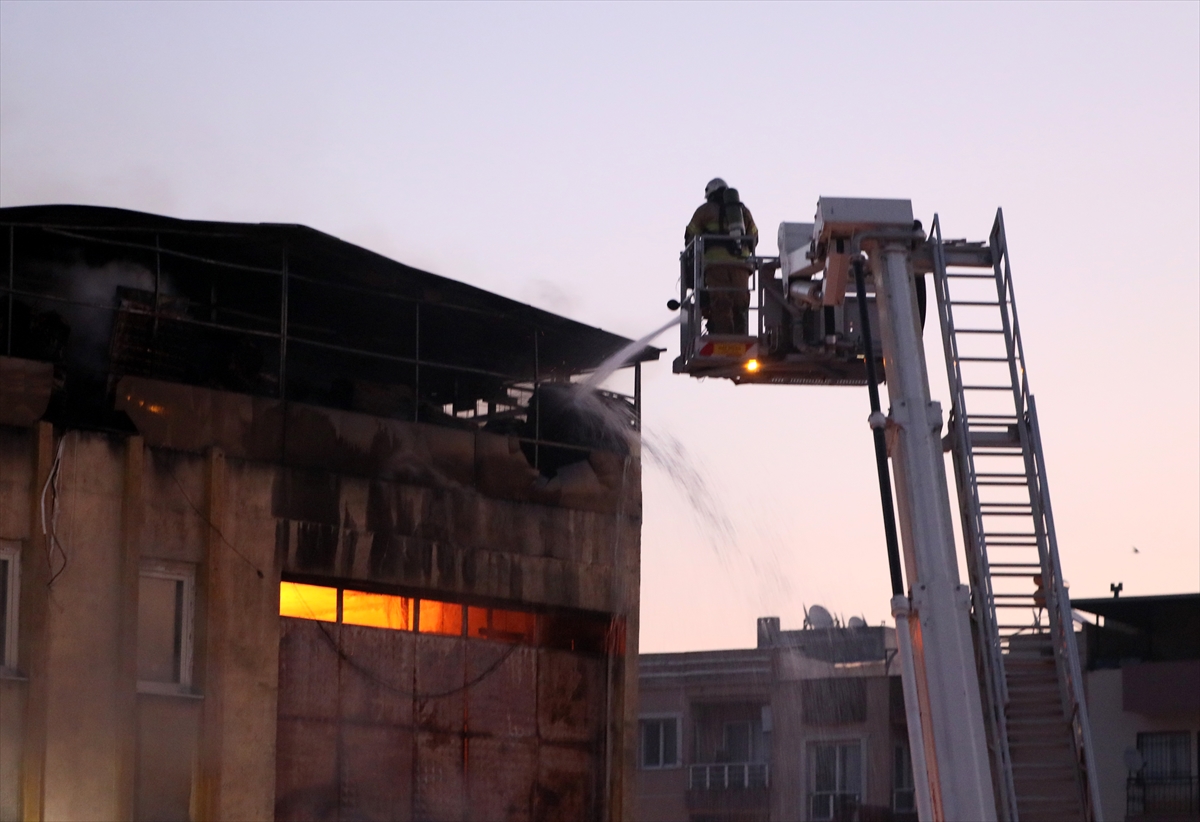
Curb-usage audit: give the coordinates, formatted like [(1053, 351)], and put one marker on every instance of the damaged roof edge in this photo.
[(435, 288)]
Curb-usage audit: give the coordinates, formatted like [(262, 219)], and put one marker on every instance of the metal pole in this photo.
[(942, 652), (12, 295), (637, 393), (283, 326), (912, 710), (878, 424), (417, 362), (537, 403), (157, 283)]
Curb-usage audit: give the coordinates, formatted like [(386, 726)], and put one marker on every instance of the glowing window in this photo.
[(500, 625), (377, 610), (308, 601), (441, 618)]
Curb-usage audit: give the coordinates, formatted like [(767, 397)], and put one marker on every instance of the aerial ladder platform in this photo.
[(997, 722)]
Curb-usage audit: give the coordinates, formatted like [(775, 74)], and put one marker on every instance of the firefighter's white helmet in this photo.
[(714, 185)]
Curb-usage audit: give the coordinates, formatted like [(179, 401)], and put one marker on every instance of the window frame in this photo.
[(1145, 739), (185, 573), (677, 719), (751, 749), (10, 551), (859, 791), (902, 757)]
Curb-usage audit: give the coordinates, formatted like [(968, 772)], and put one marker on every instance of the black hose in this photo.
[(881, 457)]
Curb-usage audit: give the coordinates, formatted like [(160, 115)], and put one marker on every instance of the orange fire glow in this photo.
[(308, 601), (441, 618), (377, 610)]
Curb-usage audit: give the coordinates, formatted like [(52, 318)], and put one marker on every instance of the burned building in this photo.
[(292, 530)]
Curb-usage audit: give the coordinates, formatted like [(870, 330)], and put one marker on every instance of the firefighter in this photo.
[(725, 299)]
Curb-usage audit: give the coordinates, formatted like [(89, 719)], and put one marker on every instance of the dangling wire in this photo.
[(50, 531)]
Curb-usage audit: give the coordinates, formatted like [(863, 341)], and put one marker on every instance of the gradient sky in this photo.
[(554, 152)]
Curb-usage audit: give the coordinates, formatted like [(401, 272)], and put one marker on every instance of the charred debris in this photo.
[(288, 313)]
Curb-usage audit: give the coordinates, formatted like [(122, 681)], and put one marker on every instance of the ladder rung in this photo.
[(987, 388), (998, 417), (1014, 565), (983, 359), (1006, 504), (976, 302), (979, 331), (995, 475), (1012, 574), (971, 276), (1006, 513)]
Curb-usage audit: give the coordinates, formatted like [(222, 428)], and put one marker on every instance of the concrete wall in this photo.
[(793, 736), (1114, 730), (450, 513), (678, 683), (661, 793)]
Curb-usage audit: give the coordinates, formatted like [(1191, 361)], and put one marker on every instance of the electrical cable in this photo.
[(408, 692), (51, 531), (213, 526), (881, 455)]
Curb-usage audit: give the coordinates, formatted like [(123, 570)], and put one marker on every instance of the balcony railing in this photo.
[(834, 805), (733, 776), (1149, 795)]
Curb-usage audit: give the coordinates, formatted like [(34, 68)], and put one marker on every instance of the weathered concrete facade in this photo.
[(89, 746), (200, 422)]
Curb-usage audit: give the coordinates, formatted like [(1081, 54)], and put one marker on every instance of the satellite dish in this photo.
[(1133, 759), (856, 622), (818, 617)]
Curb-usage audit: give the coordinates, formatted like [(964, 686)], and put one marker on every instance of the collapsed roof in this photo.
[(271, 310)]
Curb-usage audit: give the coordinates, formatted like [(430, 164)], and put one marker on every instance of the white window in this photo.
[(166, 606), (835, 779), (660, 742), (10, 591)]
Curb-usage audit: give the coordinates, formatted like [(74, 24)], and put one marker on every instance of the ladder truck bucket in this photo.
[(799, 331)]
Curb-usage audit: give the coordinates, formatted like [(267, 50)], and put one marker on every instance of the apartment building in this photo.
[(1142, 661), (808, 725)]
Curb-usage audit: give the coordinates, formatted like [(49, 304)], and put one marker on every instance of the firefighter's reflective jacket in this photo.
[(724, 214)]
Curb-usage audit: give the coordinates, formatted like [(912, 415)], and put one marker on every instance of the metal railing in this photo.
[(1147, 795), (694, 290), (731, 776), (284, 338), (833, 805), (995, 635)]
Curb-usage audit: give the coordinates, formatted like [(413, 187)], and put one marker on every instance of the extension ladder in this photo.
[(1039, 738)]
